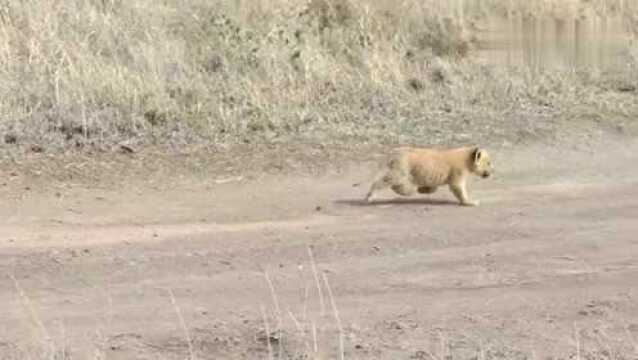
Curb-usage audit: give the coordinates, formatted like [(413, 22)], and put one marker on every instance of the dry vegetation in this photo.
[(89, 75)]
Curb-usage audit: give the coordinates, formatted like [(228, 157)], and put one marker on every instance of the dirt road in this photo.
[(546, 267)]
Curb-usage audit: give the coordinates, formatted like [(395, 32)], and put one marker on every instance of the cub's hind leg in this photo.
[(404, 189), (381, 183)]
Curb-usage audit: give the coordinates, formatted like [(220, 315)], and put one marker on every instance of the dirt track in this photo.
[(546, 266)]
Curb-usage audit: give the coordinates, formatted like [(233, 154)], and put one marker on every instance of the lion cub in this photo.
[(418, 170)]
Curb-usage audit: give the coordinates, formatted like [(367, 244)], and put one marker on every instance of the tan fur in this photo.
[(420, 170)]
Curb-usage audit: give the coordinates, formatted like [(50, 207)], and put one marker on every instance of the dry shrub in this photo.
[(444, 38), (329, 13)]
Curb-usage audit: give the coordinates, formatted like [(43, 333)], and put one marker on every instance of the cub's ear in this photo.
[(477, 154)]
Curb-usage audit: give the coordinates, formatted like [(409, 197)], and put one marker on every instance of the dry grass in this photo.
[(93, 74), (307, 334)]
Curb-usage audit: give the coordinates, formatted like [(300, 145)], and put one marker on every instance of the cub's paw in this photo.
[(471, 203)]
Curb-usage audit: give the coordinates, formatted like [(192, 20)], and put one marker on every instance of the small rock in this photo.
[(126, 149), (626, 88), (10, 139), (273, 337), (36, 149), (416, 84), (202, 311)]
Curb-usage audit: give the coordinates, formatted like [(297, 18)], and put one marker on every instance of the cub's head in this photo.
[(480, 162)]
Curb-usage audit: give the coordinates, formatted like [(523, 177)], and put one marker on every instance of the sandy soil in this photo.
[(213, 269)]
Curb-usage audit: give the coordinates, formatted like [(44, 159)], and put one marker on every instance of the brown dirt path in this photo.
[(545, 267)]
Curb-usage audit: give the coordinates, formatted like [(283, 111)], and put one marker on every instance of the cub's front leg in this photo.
[(460, 192)]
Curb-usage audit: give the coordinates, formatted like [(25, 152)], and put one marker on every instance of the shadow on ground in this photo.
[(397, 201)]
